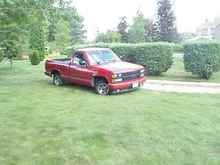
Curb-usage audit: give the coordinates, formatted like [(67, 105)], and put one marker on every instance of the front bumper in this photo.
[(126, 85)]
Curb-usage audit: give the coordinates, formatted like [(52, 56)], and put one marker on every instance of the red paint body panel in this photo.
[(85, 75)]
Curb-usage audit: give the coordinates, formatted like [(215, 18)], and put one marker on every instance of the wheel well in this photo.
[(55, 72), (94, 79)]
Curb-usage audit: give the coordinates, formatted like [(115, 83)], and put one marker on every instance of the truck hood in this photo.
[(120, 67)]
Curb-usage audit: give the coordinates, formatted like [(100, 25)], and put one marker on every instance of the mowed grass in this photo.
[(41, 124), (178, 73)]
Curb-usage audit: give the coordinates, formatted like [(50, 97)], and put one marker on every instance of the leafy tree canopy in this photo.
[(108, 37), (136, 31)]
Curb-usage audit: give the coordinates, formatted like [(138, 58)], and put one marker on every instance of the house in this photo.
[(216, 32), (209, 29)]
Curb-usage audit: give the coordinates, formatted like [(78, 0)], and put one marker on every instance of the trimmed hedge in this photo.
[(202, 58), (156, 57)]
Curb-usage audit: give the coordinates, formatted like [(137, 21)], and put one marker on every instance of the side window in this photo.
[(79, 60)]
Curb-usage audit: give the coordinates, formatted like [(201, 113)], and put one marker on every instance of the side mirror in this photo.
[(83, 63)]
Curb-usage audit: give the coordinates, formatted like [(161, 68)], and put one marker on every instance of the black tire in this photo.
[(57, 81), (102, 87)]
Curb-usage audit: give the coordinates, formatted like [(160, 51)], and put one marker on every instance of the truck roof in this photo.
[(91, 49)]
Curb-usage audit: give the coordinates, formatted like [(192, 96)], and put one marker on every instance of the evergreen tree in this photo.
[(123, 29), (37, 40), (146, 31), (151, 31), (77, 31), (34, 57), (166, 21)]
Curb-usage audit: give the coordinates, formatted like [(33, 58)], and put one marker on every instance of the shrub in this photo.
[(202, 58), (156, 57), (35, 58)]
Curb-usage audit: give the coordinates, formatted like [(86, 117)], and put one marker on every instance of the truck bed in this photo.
[(60, 61)]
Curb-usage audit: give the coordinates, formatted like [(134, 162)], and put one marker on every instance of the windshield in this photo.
[(103, 56)]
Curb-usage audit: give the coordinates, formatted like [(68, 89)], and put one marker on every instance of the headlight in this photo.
[(117, 77), (142, 71), (114, 76)]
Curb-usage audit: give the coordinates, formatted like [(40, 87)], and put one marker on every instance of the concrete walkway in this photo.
[(182, 87)]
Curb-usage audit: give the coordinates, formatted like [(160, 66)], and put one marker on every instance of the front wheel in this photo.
[(57, 79), (102, 87)]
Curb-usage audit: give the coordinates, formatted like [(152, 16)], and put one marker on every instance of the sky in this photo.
[(103, 15)]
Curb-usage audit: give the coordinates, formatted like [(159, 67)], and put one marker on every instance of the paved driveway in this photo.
[(182, 87)]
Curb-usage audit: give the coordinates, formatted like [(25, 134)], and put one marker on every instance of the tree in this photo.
[(12, 19), (151, 32), (37, 40), (63, 34), (166, 21), (52, 20), (123, 29), (10, 47), (67, 17), (136, 31), (29, 24), (37, 33), (77, 30), (108, 37)]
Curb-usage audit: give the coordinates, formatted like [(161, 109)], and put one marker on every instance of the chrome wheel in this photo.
[(102, 88), (57, 80)]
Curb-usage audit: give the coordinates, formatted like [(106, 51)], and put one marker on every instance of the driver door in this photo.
[(79, 72)]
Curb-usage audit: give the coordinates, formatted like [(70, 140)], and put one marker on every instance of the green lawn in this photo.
[(177, 73), (41, 124)]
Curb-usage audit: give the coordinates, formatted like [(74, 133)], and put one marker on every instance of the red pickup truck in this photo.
[(100, 68)]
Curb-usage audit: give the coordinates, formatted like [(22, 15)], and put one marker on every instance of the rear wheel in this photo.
[(102, 87), (57, 79)]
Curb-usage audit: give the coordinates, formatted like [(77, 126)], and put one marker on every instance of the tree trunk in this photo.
[(11, 62)]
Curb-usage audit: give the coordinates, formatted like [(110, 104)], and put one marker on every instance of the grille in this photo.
[(130, 75)]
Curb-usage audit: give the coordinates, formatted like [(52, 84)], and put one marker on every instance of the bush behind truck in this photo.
[(156, 57), (202, 58)]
